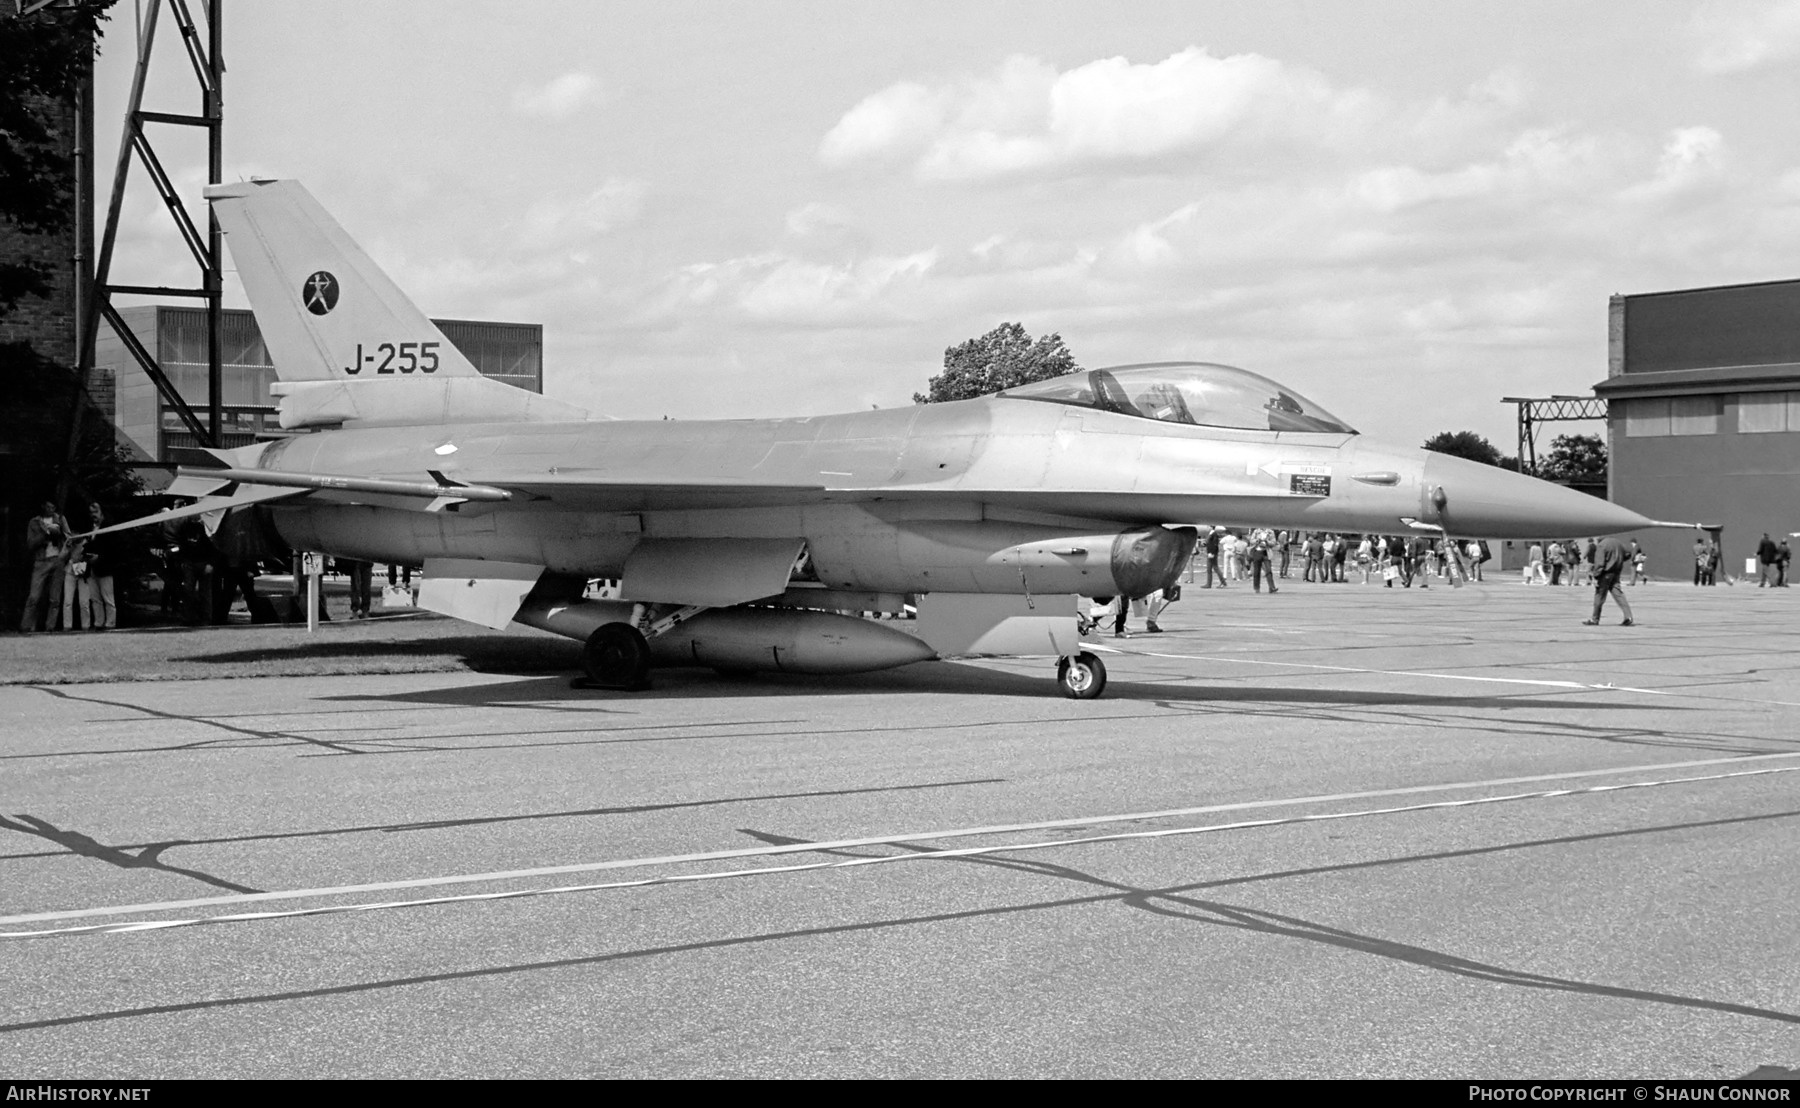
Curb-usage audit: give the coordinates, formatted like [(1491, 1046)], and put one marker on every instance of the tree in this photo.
[(1576, 460), (47, 55), (1004, 358), (1464, 444)]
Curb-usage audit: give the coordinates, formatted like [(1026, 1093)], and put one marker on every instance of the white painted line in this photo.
[(875, 840), (961, 852), (1395, 672), (1600, 687)]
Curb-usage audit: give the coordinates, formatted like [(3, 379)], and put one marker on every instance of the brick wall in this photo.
[(48, 323)]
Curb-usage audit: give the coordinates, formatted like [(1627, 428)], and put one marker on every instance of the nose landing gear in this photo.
[(1081, 676)]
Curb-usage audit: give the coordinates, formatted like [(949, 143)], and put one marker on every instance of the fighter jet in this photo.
[(761, 544)]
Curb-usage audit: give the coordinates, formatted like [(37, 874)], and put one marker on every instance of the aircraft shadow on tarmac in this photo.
[(1174, 903), (148, 855), (948, 678), (514, 654)]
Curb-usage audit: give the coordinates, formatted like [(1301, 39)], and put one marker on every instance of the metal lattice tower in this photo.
[(1549, 409), (205, 51)]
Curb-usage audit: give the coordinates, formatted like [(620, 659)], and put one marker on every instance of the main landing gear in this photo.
[(616, 656), (1081, 676)]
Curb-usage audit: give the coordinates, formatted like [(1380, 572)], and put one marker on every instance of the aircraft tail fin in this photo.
[(325, 309)]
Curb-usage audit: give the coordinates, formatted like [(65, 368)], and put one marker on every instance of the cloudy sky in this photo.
[(1406, 210)]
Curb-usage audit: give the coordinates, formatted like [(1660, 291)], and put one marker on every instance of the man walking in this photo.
[(1212, 559), (1608, 567), (1767, 556), (1156, 603), (1418, 551)]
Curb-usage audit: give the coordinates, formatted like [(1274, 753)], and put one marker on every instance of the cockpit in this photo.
[(1197, 393)]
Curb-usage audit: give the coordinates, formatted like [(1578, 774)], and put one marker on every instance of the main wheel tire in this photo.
[(617, 657), (1082, 677)]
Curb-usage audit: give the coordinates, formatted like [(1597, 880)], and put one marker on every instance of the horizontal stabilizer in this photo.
[(196, 485), (243, 496)]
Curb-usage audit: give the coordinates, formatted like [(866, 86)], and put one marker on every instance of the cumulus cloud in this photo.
[(559, 99), (1241, 209), (892, 121), (1736, 35), (1535, 161), (779, 288), (1692, 159), (1026, 116), (574, 219)]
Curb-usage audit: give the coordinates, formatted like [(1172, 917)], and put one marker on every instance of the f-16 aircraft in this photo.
[(757, 544)]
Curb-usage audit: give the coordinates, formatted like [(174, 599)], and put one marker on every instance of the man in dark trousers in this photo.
[(361, 574), (1418, 561), (1767, 555), (1261, 540), (1609, 564), (1212, 559), (46, 539)]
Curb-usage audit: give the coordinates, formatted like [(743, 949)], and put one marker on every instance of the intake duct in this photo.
[(1151, 558)]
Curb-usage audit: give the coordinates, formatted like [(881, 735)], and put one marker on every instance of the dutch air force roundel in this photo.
[(319, 293)]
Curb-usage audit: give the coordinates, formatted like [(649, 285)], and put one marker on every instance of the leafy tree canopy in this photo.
[(1576, 458), (45, 55), (1004, 358), (1464, 444)]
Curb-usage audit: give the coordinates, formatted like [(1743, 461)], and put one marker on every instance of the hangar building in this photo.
[(1703, 414), (509, 352)]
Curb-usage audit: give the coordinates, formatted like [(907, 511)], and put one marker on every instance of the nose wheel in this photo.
[(1081, 676)]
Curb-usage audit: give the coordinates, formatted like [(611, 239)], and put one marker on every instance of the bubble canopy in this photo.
[(1197, 393)]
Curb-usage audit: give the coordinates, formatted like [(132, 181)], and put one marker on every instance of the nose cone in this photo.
[(1496, 503)]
